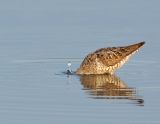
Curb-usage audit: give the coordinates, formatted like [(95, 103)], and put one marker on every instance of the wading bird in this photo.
[(107, 60)]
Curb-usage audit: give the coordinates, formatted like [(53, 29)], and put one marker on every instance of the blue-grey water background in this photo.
[(39, 37)]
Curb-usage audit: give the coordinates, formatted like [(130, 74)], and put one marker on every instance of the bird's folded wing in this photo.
[(113, 55)]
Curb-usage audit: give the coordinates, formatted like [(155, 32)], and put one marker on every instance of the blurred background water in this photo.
[(39, 37)]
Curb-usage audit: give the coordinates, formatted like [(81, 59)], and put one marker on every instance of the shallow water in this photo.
[(38, 38)]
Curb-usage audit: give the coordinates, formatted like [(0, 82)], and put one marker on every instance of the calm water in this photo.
[(38, 38)]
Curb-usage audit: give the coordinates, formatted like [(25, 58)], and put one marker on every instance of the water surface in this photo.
[(38, 38)]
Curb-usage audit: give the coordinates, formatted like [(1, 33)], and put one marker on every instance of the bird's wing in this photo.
[(113, 55)]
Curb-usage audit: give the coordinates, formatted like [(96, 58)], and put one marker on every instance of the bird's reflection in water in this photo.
[(109, 87)]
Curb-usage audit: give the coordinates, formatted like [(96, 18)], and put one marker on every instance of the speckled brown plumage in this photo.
[(107, 60)]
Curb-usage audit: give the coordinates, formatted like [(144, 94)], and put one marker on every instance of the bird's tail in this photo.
[(135, 47)]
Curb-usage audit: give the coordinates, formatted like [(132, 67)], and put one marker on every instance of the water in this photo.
[(39, 38)]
